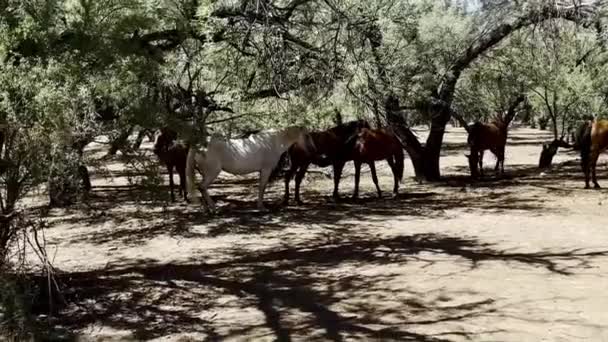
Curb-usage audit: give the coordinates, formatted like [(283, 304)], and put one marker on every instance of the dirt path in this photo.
[(521, 259)]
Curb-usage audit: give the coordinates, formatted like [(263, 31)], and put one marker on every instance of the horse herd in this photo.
[(265, 152)]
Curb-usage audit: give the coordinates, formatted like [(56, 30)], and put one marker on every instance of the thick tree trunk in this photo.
[(409, 141), (432, 151), (549, 151)]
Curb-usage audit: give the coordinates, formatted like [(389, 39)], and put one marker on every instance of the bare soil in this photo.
[(523, 258)]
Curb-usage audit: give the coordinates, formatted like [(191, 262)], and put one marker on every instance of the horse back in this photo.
[(599, 134), (376, 144), (483, 136)]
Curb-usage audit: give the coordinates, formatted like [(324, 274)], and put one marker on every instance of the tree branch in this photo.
[(277, 92)]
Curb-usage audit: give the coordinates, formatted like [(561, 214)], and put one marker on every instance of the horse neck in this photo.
[(286, 139), (500, 124)]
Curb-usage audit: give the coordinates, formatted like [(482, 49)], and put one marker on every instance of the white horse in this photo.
[(257, 153)]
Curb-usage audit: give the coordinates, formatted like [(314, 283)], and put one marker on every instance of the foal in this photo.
[(173, 154), (487, 136)]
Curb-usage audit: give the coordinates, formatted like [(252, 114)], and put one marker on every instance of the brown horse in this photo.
[(377, 144), (322, 149), (593, 141), (173, 154), (487, 136)]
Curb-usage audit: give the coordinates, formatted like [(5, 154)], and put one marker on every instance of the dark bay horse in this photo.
[(487, 136), (173, 154), (377, 144), (592, 140), (322, 148)]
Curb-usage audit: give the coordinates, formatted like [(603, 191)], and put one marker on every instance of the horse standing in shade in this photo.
[(487, 136), (593, 140), (173, 155), (322, 148), (377, 144), (259, 152)]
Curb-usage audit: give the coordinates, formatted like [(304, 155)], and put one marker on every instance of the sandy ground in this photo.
[(524, 258)]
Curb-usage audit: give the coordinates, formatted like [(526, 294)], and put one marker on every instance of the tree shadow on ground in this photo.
[(137, 226), (518, 177), (296, 291)]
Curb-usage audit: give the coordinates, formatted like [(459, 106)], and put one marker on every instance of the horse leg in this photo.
[(372, 168), (170, 170), (337, 174), (500, 161), (264, 176), (481, 163), (288, 176), (182, 182), (595, 153), (391, 163), (299, 177), (357, 177), (210, 173)]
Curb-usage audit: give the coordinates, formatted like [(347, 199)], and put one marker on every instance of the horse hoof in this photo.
[(596, 186)]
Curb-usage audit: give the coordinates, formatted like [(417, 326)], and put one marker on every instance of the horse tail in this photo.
[(579, 134), (399, 161), (282, 164), (190, 165), (583, 141), (473, 132)]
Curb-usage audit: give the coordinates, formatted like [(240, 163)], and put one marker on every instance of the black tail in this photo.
[(473, 131), (579, 134), (583, 142), (279, 170)]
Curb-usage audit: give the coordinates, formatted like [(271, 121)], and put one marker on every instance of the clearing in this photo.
[(524, 258)]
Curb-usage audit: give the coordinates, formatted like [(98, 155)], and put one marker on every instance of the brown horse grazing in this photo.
[(322, 149), (593, 141), (487, 136), (173, 155), (377, 144)]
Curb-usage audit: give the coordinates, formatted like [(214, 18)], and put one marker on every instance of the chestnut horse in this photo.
[(487, 136), (377, 144), (593, 141), (322, 149)]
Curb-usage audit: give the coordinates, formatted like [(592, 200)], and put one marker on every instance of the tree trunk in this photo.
[(409, 141), (549, 151), (432, 151), (121, 142)]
